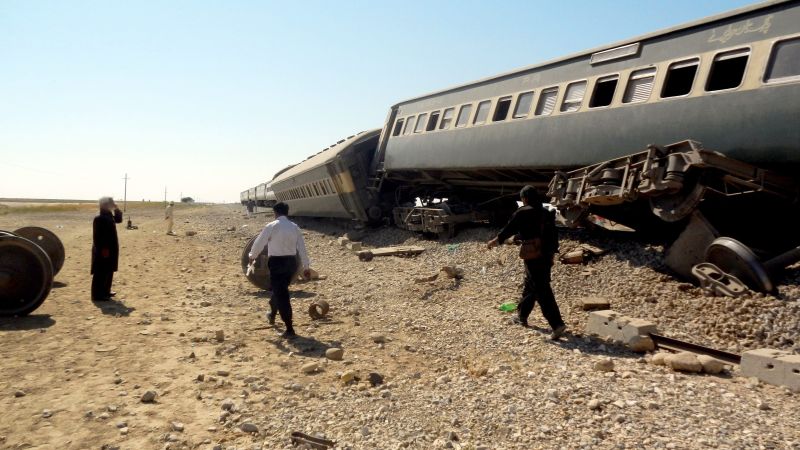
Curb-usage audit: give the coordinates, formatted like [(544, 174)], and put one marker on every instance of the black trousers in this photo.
[(537, 288), (101, 283), (281, 271)]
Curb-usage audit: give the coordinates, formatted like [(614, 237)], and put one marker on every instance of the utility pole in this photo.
[(165, 195), (125, 196)]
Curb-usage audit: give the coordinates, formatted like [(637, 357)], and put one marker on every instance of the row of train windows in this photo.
[(727, 72), (309, 190)]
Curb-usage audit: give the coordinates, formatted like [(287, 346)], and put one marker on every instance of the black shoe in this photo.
[(271, 317), (112, 294), (520, 321), (288, 334), (558, 332)]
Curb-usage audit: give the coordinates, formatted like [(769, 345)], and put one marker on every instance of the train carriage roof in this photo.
[(324, 156), (585, 53)]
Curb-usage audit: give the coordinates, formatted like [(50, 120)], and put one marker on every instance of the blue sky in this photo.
[(209, 97)]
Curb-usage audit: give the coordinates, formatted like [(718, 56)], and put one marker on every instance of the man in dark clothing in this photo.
[(529, 222), (105, 249)]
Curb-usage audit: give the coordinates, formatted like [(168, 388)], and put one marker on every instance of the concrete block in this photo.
[(637, 327), (354, 246), (772, 366), (343, 241), (633, 333), (605, 324), (595, 303)]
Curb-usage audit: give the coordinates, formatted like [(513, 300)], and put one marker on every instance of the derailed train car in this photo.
[(646, 131), (331, 183)]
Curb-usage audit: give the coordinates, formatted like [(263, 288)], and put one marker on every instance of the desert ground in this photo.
[(436, 363)]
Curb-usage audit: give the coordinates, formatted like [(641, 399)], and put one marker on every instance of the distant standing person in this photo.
[(251, 205), (535, 227), (105, 249), (169, 216), (284, 240)]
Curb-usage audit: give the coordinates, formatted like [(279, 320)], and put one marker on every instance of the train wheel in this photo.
[(677, 206), (737, 259), (48, 241), (26, 276), (260, 277)]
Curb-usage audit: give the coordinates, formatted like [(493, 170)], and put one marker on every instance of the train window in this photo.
[(727, 70), (523, 107), (604, 90), (573, 96), (447, 119), (398, 127), (785, 60), (640, 85), (434, 120), (501, 110), (680, 78), (463, 116), (482, 112), (420, 123), (547, 102), (409, 126)]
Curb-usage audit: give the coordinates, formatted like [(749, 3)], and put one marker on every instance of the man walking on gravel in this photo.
[(105, 249), (534, 226), (284, 240)]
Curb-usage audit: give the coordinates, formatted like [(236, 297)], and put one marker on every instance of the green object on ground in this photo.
[(508, 307)]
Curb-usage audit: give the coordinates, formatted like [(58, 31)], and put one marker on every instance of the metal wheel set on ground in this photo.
[(29, 259)]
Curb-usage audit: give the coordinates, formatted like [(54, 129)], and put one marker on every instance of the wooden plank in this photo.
[(398, 250)]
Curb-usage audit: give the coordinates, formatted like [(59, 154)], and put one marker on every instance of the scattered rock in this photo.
[(641, 344), (684, 362), (453, 272), (149, 397), (191, 233), (659, 359), (594, 404), (378, 338), (309, 368), (19, 393), (711, 365), (334, 354), (248, 427), (176, 426), (375, 378), (604, 365), (348, 376), (595, 303), (220, 335)]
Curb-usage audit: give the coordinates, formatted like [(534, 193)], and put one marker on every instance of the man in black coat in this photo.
[(529, 222), (105, 249)]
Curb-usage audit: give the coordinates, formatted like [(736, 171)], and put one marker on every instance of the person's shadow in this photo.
[(33, 322), (114, 308), (305, 346)]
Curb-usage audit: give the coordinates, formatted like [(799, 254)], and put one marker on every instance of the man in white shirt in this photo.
[(284, 240)]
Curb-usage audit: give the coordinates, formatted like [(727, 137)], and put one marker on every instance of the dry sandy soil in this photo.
[(454, 373)]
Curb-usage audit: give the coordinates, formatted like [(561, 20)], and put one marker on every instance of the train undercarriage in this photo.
[(736, 220)]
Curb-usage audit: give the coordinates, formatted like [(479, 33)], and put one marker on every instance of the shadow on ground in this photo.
[(33, 322)]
